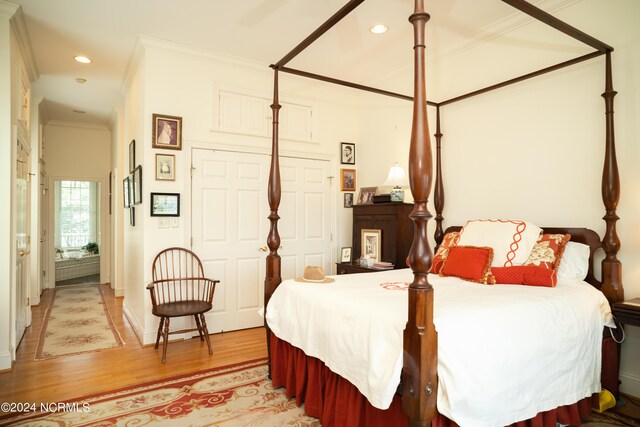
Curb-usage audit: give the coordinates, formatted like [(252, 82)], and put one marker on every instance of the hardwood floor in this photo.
[(68, 377)]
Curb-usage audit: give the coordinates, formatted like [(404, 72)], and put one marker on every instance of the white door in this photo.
[(230, 227), (23, 309)]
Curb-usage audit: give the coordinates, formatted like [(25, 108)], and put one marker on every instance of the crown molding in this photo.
[(63, 123), (132, 66), (7, 10), (24, 43), (153, 43)]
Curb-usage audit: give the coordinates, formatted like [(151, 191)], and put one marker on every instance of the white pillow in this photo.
[(574, 264), (512, 240)]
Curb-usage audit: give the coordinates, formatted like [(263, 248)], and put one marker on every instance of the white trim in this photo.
[(132, 66), (6, 362), (7, 10), (133, 320), (630, 383), (76, 125), (24, 44)]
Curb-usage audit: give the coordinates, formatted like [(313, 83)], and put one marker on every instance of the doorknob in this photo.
[(23, 253), (265, 249)]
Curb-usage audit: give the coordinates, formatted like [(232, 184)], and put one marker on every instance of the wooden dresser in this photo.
[(397, 230)]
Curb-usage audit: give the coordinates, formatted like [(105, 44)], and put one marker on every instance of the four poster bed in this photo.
[(352, 393)]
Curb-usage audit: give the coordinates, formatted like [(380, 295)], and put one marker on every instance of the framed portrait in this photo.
[(132, 155), (137, 185), (347, 153), (132, 216), (165, 204), (167, 132), (348, 200), (370, 242), (347, 179), (366, 195), (110, 190), (345, 256), (126, 194), (165, 167)]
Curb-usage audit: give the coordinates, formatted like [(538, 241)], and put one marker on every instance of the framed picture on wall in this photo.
[(165, 204), (165, 167), (347, 179), (132, 155), (126, 194), (347, 153), (348, 200), (137, 185), (167, 132), (132, 216)]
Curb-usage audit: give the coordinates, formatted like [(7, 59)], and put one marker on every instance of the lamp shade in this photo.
[(396, 177)]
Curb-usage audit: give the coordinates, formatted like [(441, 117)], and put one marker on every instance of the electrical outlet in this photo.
[(175, 223)]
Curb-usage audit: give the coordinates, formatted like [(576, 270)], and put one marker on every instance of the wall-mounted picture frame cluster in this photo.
[(165, 204), (348, 176), (132, 185)]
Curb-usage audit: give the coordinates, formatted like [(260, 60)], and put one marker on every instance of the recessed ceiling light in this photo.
[(79, 111), (81, 80), (82, 59), (379, 29)]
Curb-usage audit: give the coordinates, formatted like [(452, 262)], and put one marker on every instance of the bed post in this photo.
[(438, 193), (419, 371), (273, 276), (611, 266)]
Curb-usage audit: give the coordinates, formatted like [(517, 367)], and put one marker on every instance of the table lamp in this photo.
[(396, 179)]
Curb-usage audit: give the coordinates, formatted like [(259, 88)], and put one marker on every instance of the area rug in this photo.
[(77, 321), (239, 395)]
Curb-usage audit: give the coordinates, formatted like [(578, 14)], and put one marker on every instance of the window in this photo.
[(76, 213)]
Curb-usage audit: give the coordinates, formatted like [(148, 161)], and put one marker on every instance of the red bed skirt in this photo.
[(336, 402)]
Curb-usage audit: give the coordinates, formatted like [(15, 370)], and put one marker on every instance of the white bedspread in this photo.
[(505, 352)]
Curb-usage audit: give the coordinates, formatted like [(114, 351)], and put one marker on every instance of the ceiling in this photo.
[(259, 30)]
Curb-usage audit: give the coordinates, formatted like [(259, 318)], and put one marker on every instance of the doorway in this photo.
[(77, 220)]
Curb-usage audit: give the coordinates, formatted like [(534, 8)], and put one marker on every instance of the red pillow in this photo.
[(531, 275), (468, 263), (450, 239), (548, 251)]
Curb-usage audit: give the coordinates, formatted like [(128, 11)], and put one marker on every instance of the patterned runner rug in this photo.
[(77, 321), (239, 395)]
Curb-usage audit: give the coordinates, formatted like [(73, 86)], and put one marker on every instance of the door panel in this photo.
[(230, 227)]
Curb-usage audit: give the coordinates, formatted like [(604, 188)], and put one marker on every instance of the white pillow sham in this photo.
[(512, 240), (574, 264)]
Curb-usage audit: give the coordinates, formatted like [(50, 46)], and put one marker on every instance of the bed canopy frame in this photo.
[(419, 372)]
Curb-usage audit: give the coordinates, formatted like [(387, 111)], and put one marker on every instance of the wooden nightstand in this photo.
[(627, 312), (348, 268)]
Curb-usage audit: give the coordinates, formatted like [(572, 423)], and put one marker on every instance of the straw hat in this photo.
[(314, 274)]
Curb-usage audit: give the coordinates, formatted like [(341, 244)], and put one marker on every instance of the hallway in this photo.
[(68, 377)]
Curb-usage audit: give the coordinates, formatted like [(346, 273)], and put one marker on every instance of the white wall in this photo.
[(534, 150), (7, 161), (80, 152), (117, 213), (180, 81)]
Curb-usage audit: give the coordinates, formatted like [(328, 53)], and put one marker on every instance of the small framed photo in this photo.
[(366, 195), (132, 216), (165, 204), (347, 179), (347, 153), (167, 132), (165, 167), (348, 200), (370, 241), (137, 185), (345, 255), (132, 155), (126, 194)]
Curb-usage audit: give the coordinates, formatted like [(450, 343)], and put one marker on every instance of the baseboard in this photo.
[(119, 292), (133, 321), (35, 300), (630, 384), (176, 324), (6, 362)]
